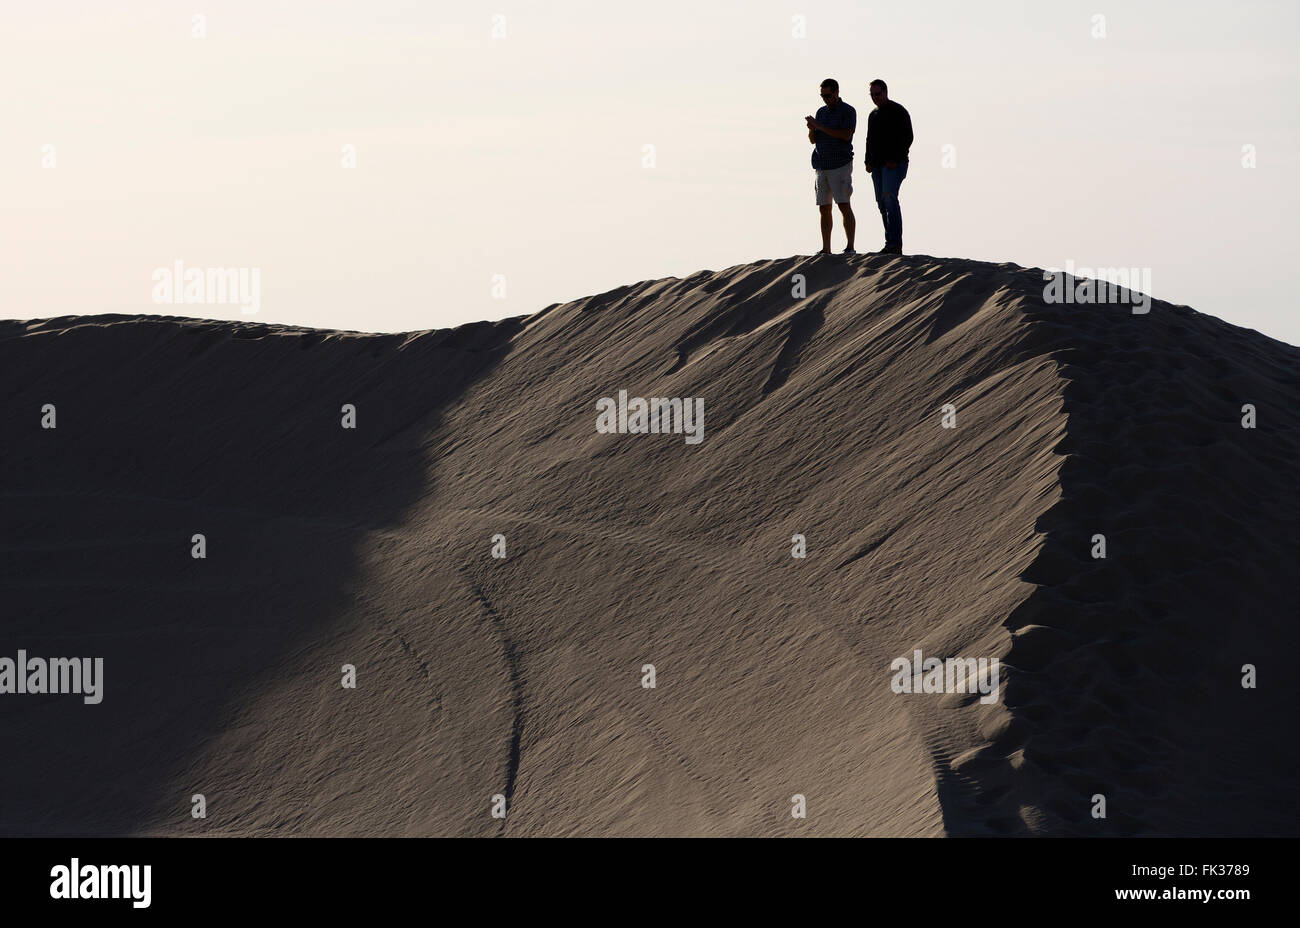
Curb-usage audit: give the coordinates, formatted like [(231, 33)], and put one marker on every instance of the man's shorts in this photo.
[(836, 183)]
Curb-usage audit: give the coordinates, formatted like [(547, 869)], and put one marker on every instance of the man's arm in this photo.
[(812, 136), (907, 130)]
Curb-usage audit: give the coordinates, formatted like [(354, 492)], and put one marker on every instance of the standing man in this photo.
[(889, 136), (831, 131)]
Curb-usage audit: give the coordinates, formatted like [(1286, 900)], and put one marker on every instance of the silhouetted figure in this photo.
[(889, 136), (831, 131)]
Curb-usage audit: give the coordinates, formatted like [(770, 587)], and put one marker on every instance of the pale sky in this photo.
[(130, 143)]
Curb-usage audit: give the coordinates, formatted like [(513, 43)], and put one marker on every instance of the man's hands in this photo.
[(891, 164), (845, 135), (867, 165)]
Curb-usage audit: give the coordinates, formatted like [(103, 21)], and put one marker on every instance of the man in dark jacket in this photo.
[(889, 136)]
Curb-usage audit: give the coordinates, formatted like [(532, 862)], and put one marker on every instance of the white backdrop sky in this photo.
[(522, 155)]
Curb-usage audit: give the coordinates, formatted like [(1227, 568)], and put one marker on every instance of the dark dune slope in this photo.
[(1132, 666)]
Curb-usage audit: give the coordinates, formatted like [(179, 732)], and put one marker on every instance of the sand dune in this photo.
[(521, 676)]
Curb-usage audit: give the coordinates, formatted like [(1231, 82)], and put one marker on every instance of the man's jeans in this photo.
[(887, 181)]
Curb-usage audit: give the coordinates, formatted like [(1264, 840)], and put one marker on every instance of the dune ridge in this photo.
[(521, 676)]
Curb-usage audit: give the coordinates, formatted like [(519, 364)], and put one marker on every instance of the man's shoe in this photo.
[(822, 252), (849, 251), (891, 250)]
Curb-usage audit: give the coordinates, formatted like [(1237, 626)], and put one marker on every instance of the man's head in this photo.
[(830, 91), (879, 92)]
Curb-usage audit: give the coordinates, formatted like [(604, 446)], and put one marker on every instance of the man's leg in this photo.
[(822, 195), (891, 182), (850, 224), (842, 190), (877, 179)]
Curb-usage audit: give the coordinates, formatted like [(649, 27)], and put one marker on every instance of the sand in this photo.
[(521, 677)]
